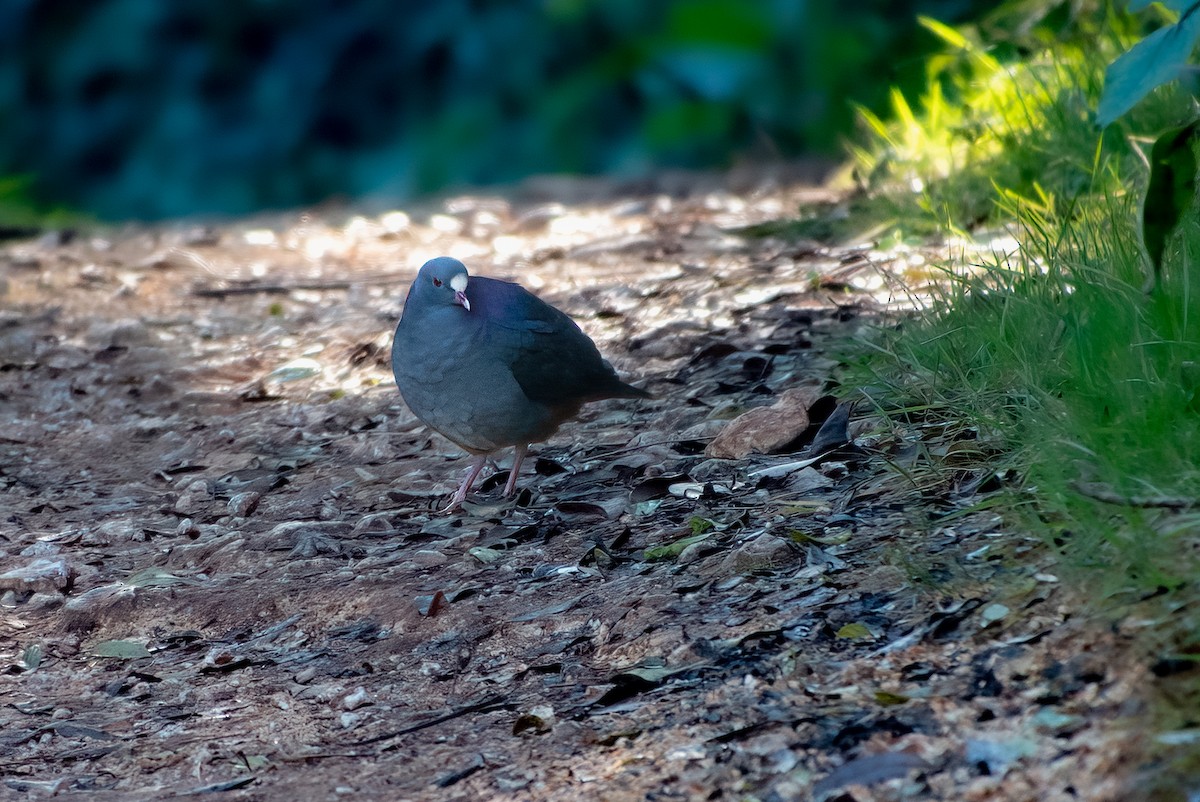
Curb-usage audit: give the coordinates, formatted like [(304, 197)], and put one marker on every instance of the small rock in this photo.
[(538, 719), (241, 505), (219, 656), (356, 698), (65, 357), (705, 430), (764, 553), (81, 612), (41, 574), (993, 613), (693, 552), (428, 558), (1056, 723), (711, 469), (200, 237), (45, 600), (194, 498), (834, 470), (311, 542), (807, 480), (121, 530), (41, 549), (998, 755)]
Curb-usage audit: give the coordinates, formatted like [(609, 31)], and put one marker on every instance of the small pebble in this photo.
[(241, 505), (428, 558), (356, 698), (195, 497)]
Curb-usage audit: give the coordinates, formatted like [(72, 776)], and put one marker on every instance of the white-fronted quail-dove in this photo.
[(487, 364)]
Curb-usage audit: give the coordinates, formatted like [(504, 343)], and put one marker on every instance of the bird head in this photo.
[(443, 281)]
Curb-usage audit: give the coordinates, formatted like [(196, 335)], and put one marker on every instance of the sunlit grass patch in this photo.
[(1055, 348)]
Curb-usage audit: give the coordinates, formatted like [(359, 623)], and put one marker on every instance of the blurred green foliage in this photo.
[(144, 108)]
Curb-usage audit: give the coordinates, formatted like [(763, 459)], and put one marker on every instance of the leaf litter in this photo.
[(223, 572)]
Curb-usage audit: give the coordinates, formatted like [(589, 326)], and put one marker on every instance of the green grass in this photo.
[(20, 213), (1089, 384)]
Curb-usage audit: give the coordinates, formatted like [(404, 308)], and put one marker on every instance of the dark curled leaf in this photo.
[(365, 630), (447, 780), (228, 785), (869, 770), (713, 351), (544, 466), (581, 509), (1170, 190), (234, 664), (835, 431), (654, 488), (68, 730)]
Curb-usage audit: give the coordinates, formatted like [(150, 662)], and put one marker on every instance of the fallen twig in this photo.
[(1109, 496)]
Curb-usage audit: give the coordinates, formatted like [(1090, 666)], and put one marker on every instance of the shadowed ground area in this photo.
[(224, 573)]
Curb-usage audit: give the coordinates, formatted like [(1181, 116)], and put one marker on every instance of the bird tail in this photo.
[(629, 391)]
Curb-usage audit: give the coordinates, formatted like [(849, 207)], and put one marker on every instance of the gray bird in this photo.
[(487, 364)]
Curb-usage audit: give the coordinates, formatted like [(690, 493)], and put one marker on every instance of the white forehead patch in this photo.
[(459, 282)]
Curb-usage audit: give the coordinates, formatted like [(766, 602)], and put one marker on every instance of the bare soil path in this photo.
[(223, 574)]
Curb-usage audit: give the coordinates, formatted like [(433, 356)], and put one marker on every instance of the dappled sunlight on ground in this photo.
[(222, 567)]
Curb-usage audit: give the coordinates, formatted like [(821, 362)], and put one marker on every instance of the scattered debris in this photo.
[(223, 572)]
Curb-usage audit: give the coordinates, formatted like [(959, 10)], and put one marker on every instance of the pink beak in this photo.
[(460, 298)]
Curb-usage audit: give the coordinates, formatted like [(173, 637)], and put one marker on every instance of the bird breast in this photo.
[(457, 386)]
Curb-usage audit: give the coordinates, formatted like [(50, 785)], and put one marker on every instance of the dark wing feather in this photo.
[(553, 361)]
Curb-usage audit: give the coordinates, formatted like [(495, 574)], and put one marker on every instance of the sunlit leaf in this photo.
[(303, 368), (122, 649), (1174, 5), (943, 32), (672, 550), (1148, 65), (484, 554), (889, 699), (854, 631), (155, 577), (31, 658)]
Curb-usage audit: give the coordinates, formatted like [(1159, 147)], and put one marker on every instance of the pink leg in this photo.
[(461, 494), (518, 457)]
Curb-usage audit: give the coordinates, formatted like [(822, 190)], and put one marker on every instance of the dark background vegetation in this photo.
[(149, 109)]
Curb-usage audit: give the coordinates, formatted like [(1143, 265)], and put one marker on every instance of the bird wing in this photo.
[(553, 361)]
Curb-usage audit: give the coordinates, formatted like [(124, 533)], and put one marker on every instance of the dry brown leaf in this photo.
[(766, 429)]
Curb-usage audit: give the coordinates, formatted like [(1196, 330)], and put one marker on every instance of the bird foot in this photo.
[(454, 505)]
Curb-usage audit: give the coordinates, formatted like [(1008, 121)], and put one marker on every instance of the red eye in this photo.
[(437, 282)]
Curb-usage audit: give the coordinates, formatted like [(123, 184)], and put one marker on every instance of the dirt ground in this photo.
[(224, 573)]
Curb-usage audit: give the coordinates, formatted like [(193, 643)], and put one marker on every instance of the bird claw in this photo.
[(454, 505)]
